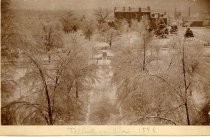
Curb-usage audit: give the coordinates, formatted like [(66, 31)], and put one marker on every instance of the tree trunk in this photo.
[(185, 85), (49, 58), (50, 114), (187, 113), (49, 108), (144, 58), (77, 94)]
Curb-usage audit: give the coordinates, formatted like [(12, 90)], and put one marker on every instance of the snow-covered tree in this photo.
[(102, 15)]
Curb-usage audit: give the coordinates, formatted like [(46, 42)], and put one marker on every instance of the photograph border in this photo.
[(104, 130)]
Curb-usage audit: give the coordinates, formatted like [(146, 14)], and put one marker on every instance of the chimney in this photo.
[(129, 8), (148, 7), (139, 10), (123, 8)]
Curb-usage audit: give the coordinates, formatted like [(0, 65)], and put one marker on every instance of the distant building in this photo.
[(199, 19), (128, 13), (199, 23), (131, 13), (196, 22)]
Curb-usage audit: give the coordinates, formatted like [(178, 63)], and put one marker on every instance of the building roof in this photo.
[(127, 9)]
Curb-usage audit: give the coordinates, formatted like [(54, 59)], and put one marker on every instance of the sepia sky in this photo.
[(182, 5)]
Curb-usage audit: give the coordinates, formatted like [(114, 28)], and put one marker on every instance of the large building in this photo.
[(128, 13), (131, 13)]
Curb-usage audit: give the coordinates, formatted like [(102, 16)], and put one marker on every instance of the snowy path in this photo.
[(102, 96)]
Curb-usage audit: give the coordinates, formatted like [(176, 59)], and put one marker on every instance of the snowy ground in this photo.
[(103, 89)]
